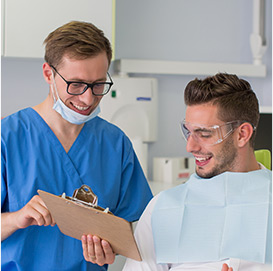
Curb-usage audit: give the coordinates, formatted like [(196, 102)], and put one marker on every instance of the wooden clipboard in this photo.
[(74, 219)]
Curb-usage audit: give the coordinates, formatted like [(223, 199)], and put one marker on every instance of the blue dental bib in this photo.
[(227, 216)]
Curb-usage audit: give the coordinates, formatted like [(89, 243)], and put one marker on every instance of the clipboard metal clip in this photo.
[(85, 193), (85, 196)]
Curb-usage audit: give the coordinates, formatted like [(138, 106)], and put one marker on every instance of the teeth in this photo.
[(80, 107), (201, 159)]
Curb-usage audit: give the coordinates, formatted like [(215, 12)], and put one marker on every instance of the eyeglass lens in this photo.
[(79, 88)]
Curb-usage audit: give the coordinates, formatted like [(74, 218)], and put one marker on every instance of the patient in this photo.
[(220, 219)]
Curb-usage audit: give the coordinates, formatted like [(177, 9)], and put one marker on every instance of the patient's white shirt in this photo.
[(145, 242)]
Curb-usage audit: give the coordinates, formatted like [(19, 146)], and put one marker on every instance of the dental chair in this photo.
[(263, 156)]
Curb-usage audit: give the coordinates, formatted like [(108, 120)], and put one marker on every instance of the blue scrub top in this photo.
[(33, 158)]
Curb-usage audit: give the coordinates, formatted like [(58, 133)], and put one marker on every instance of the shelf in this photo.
[(266, 109), (125, 66)]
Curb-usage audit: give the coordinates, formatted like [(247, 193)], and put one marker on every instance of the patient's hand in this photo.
[(97, 251), (226, 268)]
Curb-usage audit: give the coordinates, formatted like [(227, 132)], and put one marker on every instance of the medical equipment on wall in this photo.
[(174, 170), (131, 104)]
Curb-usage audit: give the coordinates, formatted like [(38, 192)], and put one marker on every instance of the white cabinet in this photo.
[(26, 23)]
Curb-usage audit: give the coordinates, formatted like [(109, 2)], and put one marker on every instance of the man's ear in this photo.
[(245, 132), (47, 73)]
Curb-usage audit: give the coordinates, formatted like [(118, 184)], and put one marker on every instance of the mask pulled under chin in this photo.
[(72, 116), (68, 114)]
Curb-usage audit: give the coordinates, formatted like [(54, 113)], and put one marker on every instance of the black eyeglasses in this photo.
[(78, 88)]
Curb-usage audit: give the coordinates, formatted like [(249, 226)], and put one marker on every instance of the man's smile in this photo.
[(202, 160), (84, 110)]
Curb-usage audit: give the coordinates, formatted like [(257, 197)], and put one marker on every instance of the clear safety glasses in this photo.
[(208, 135)]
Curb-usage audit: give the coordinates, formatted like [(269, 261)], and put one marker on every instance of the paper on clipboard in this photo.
[(75, 219)]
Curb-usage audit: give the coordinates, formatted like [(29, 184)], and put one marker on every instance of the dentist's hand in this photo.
[(34, 212), (226, 268), (97, 251)]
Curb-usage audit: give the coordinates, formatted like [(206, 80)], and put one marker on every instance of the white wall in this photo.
[(22, 84), (183, 30)]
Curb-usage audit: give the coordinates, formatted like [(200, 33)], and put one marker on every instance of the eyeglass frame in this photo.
[(87, 84), (222, 138)]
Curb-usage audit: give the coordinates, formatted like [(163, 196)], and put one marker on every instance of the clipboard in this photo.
[(76, 217)]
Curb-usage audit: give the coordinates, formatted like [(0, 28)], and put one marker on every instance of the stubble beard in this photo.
[(226, 160)]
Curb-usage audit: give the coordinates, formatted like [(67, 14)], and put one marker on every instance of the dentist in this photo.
[(58, 146)]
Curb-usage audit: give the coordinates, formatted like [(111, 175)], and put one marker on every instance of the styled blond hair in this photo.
[(77, 40)]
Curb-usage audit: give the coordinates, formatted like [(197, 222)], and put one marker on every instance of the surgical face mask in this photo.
[(67, 113)]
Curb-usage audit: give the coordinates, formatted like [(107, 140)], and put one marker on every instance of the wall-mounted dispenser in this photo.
[(132, 106)]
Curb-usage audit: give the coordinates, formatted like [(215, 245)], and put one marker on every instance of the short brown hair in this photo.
[(77, 40), (234, 96)]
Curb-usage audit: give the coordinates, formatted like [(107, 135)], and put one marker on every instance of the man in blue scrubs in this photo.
[(59, 145), (221, 218)]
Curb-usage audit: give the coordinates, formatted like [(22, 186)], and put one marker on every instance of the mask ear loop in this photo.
[(52, 88)]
